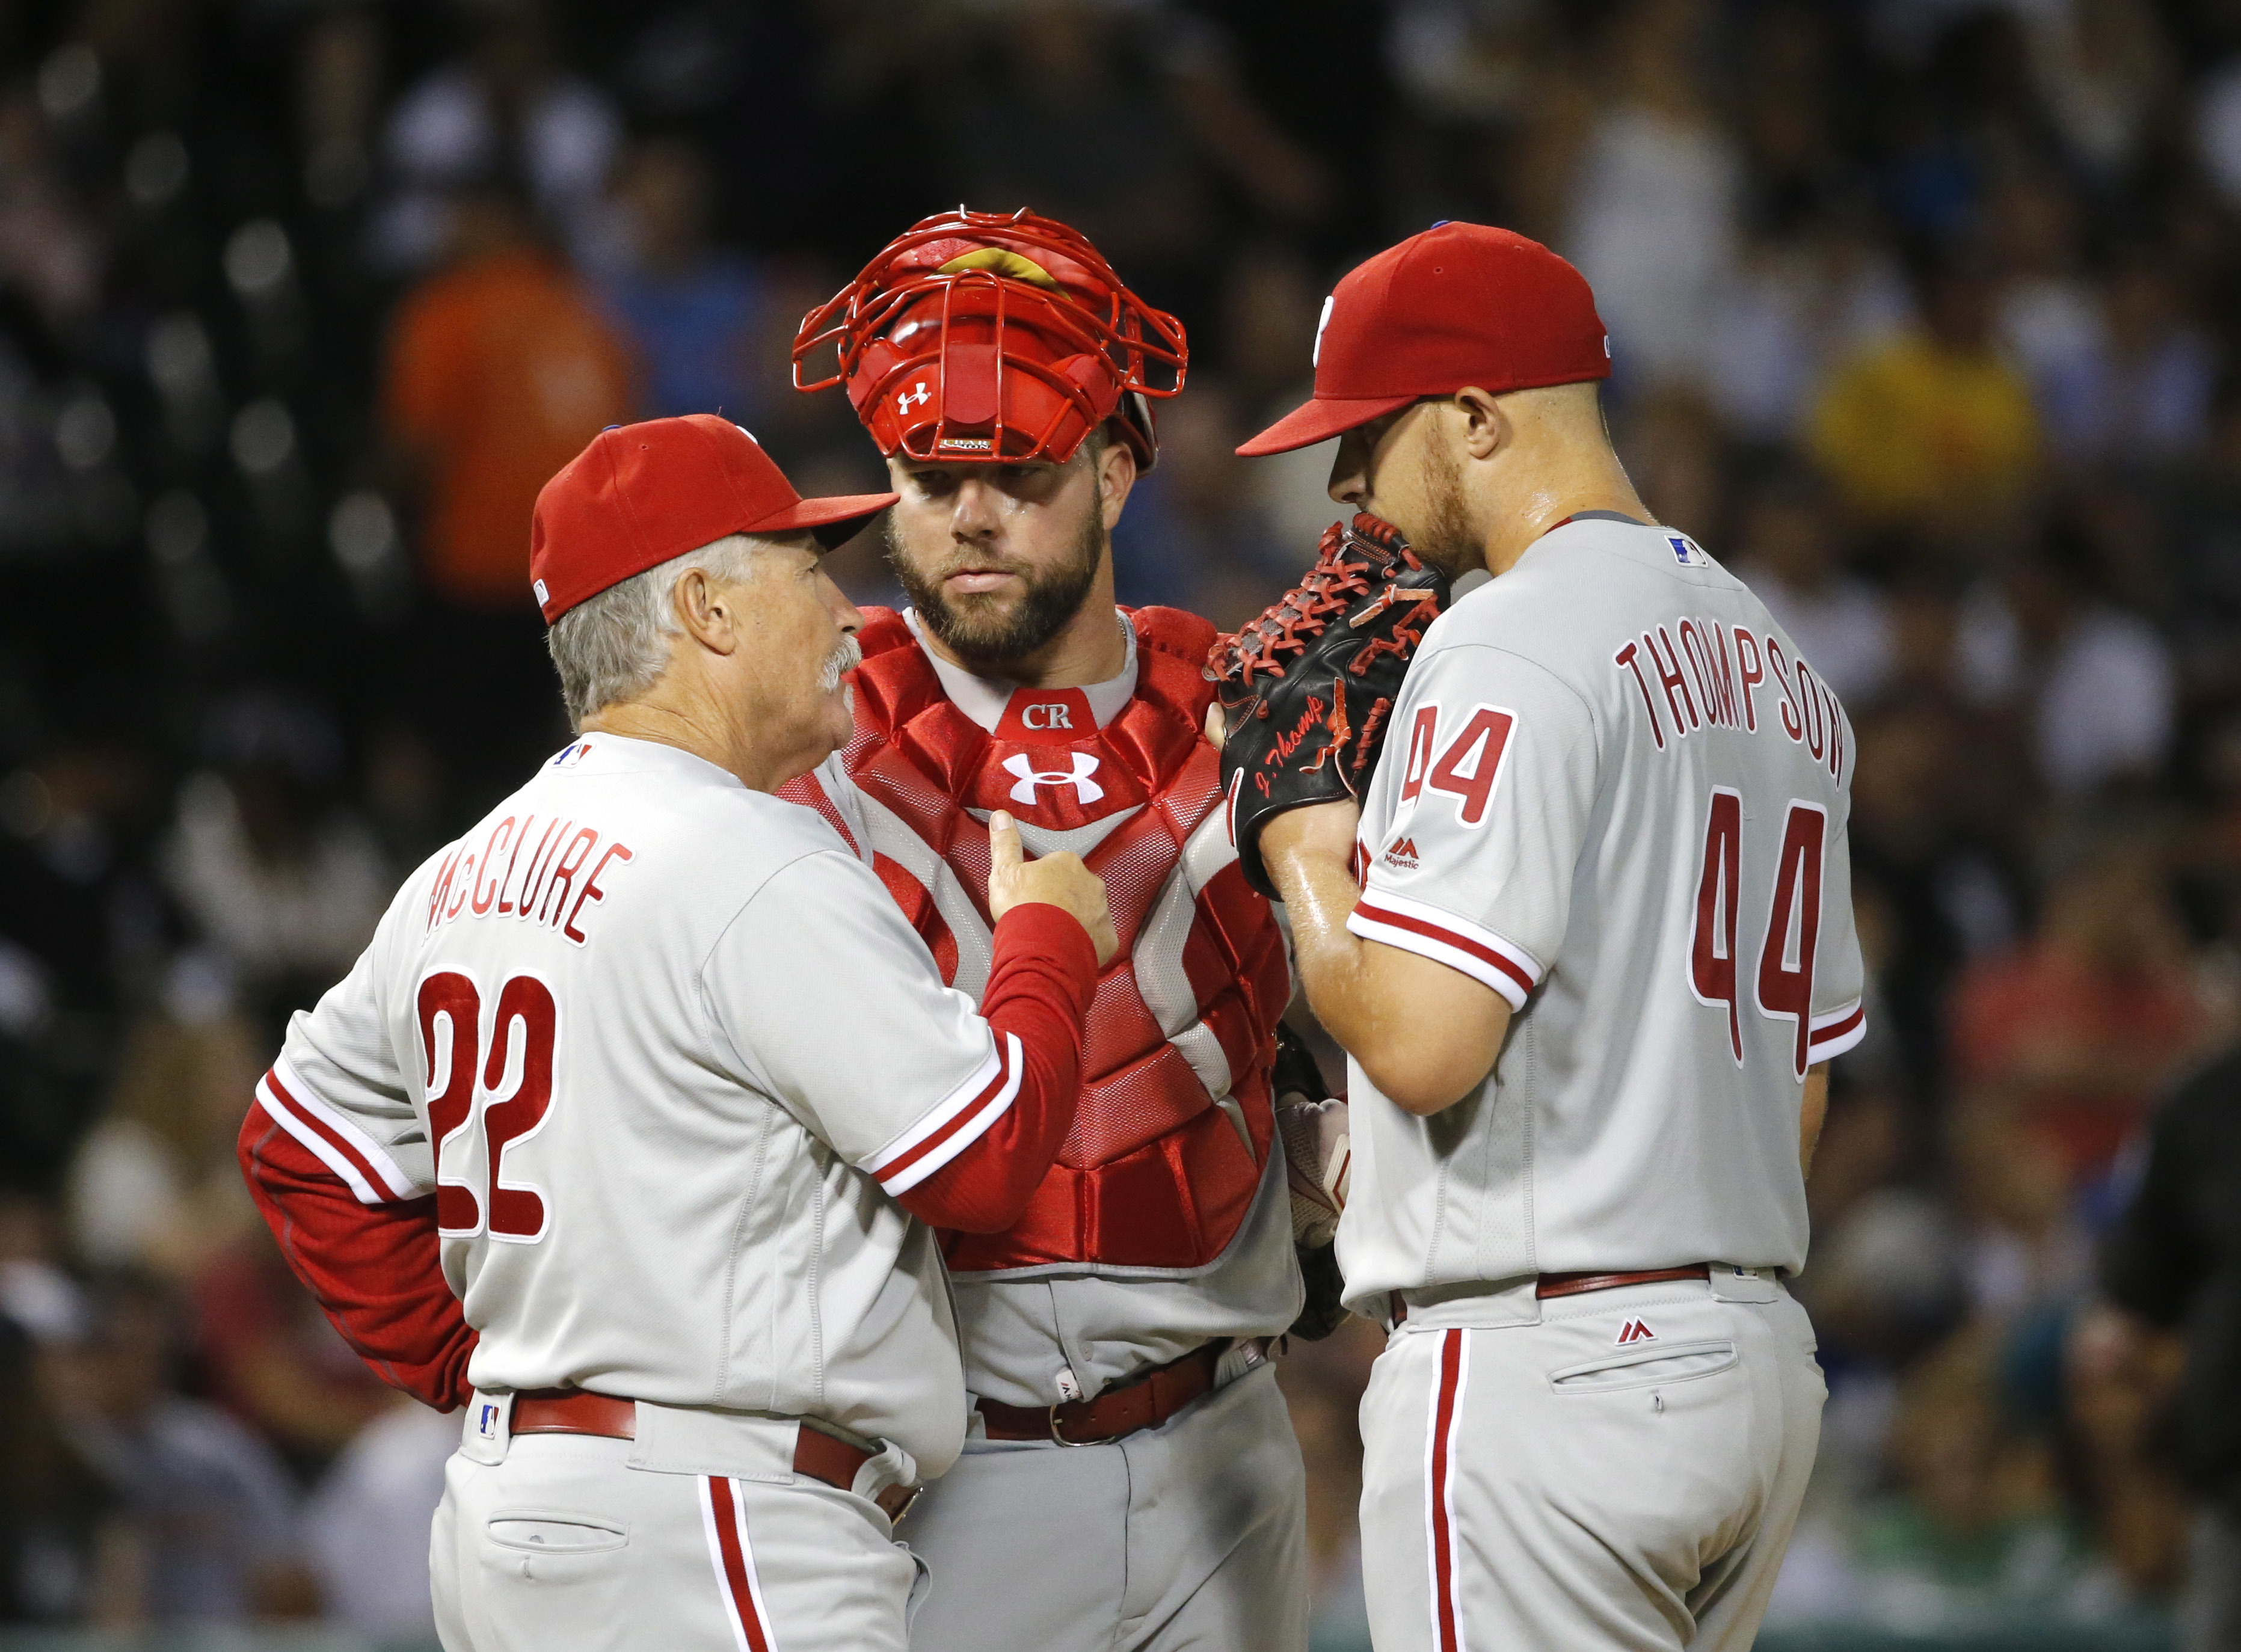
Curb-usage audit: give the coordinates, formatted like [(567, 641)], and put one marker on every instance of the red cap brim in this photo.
[(1318, 421), (834, 520)]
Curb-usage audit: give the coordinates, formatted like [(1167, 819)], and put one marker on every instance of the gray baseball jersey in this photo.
[(1616, 795), (621, 1030)]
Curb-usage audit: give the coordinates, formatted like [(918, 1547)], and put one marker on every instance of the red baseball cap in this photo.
[(1458, 305), (641, 494)]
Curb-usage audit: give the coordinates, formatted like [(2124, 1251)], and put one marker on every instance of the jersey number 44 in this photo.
[(1783, 983)]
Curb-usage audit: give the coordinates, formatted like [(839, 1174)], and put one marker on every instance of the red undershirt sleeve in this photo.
[(373, 1267), (1039, 986)]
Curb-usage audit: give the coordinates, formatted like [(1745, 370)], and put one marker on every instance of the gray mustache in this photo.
[(838, 664)]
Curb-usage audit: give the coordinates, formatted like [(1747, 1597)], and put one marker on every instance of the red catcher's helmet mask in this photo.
[(998, 337)]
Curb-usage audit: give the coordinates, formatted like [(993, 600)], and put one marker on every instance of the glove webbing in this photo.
[(1329, 588)]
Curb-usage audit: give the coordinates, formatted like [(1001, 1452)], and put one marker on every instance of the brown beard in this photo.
[(1448, 543), (978, 628)]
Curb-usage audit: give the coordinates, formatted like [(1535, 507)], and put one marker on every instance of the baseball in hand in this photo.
[(1058, 880)]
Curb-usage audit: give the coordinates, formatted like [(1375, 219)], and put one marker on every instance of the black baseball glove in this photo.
[(1306, 688)]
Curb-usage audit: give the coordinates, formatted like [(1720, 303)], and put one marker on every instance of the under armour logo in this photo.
[(1085, 790), (918, 394), (1636, 1331)]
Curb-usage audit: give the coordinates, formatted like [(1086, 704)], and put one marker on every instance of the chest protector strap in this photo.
[(1175, 1121)]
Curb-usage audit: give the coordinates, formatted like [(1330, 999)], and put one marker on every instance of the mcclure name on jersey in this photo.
[(524, 870)]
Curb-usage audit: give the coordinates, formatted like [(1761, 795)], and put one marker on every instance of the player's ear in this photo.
[(710, 612), (1116, 475), (1486, 426)]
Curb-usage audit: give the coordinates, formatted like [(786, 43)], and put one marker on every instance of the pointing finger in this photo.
[(1004, 854)]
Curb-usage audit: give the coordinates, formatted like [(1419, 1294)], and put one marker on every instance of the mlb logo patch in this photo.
[(486, 1422), (1687, 553), (572, 755), (1635, 1331)]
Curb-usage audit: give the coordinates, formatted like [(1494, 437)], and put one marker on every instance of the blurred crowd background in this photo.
[(1924, 321)]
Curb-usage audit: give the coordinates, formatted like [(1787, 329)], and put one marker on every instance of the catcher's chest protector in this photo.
[(1176, 1121)]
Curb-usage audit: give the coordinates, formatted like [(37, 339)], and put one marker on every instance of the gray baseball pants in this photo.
[(1620, 1470), (697, 1536), (1189, 1535)]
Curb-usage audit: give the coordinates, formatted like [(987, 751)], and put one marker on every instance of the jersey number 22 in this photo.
[(523, 1033)]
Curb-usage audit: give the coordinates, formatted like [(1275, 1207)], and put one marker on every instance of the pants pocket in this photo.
[(921, 1582), (536, 1531), (555, 1580), (1660, 1367)]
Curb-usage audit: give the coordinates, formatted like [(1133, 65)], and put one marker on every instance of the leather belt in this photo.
[(1143, 1402), (819, 1456), (1553, 1285), (833, 1460), (573, 1411), (1580, 1284)]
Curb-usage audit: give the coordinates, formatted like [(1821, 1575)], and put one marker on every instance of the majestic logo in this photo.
[(1402, 853), (1085, 790), (917, 394), (1636, 1331), (1046, 714)]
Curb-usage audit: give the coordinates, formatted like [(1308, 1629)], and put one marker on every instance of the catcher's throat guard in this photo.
[(1307, 688), (995, 337)]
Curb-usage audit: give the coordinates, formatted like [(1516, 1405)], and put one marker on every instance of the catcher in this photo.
[(1130, 1477), (1588, 942)]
